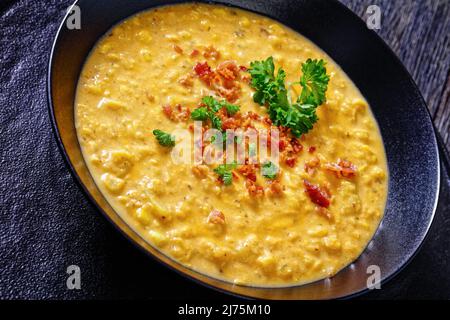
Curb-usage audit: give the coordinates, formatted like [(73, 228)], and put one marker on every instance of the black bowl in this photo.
[(397, 104)]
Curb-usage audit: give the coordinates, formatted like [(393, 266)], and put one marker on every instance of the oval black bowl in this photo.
[(396, 102)]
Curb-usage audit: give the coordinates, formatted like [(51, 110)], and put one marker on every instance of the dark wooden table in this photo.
[(47, 223), (419, 33)]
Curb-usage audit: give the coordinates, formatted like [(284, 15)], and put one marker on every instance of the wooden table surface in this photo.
[(418, 31)]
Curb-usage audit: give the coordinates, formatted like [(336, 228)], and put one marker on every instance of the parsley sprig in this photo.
[(164, 139), (225, 172), (212, 106), (269, 170), (271, 92)]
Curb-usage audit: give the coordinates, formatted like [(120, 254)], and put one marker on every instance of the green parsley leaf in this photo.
[(225, 172), (227, 178), (215, 105), (212, 107), (231, 108), (164, 139), (200, 114), (269, 170), (212, 103), (314, 81), (216, 122), (267, 85), (271, 92)]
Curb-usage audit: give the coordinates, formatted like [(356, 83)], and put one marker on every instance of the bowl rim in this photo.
[(77, 179)]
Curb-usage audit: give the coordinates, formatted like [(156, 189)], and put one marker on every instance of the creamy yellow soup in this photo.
[(275, 238)]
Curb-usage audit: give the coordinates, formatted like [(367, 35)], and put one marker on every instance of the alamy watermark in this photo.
[(73, 282), (374, 278), (232, 146), (373, 17), (73, 21)]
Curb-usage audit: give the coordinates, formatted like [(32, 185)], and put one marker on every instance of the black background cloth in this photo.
[(47, 223)]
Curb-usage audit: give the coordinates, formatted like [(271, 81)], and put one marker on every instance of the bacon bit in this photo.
[(228, 70), (211, 52), (186, 80), (243, 68), (230, 123), (202, 69), (230, 95), (266, 120), (291, 161), (246, 78), (252, 115), (296, 146), (178, 49), (180, 113), (311, 165), (194, 53), (317, 195), (216, 217), (168, 111), (222, 80), (254, 190), (276, 188), (184, 113), (311, 149), (342, 168), (246, 122), (248, 171), (282, 144), (200, 171)]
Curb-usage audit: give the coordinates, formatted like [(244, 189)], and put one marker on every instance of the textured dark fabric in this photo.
[(47, 223)]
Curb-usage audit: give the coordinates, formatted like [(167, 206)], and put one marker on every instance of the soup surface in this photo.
[(313, 219)]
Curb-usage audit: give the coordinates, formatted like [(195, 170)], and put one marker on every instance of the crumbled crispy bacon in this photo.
[(194, 53), (178, 113), (186, 80), (228, 70), (223, 80), (282, 144), (317, 195), (230, 95), (246, 78), (230, 123), (167, 109), (202, 69), (296, 146), (311, 149), (312, 165), (243, 68), (216, 217), (266, 120), (252, 115), (211, 52), (275, 187), (291, 161), (254, 190), (343, 168), (289, 147), (200, 171), (248, 171)]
